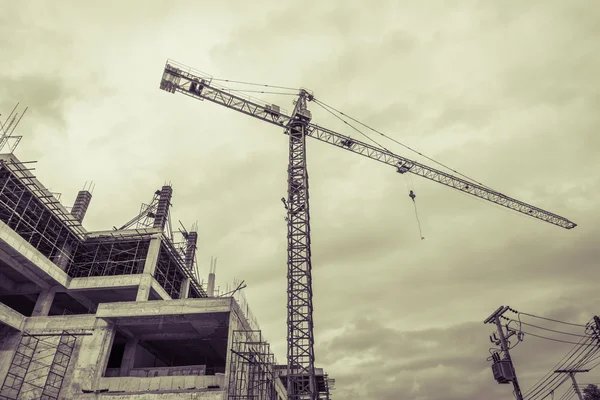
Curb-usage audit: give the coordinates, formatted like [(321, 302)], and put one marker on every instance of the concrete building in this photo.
[(118, 314)]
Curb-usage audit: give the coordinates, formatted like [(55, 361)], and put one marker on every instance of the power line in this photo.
[(545, 381), (546, 329), (552, 339), (550, 319), (594, 350), (555, 386)]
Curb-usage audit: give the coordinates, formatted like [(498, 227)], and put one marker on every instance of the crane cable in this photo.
[(401, 144), (256, 84), (412, 195), (549, 379), (411, 191)]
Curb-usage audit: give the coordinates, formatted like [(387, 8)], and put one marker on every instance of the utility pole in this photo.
[(572, 373), (495, 318)]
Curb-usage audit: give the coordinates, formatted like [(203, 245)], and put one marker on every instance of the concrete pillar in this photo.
[(234, 324), (185, 289), (152, 256), (143, 293), (162, 209), (62, 258), (43, 303), (190, 253), (210, 290), (81, 205), (128, 357), (149, 269)]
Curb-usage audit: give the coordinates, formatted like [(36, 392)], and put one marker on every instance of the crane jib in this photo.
[(201, 87), (300, 375)]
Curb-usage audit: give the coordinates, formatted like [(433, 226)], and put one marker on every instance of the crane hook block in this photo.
[(412, 195)]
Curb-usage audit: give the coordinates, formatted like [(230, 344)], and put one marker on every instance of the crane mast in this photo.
[(300, 350), (301, 382)]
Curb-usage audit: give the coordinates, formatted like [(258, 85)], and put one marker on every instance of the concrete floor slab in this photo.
[(104, 282), (11, 318), (126, 310), (28, 260)]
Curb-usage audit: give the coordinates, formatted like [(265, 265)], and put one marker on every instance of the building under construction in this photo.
[(120, 313)]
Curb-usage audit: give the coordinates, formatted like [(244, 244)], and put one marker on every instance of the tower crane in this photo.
[(300, 374)]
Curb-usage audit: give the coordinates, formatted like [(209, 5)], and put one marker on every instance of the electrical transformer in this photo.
[(503, 371)]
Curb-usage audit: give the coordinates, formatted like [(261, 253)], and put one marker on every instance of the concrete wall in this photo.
[(163, 383), (161, 371), (169, 371), (209, 394)]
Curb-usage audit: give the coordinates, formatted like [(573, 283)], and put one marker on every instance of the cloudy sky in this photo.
[(504, 92)]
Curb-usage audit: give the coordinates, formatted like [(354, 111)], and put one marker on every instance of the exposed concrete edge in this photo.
[(17, 247), (162, 293), (58, 323), (11, 318), (198, 394), (163, 307), (118, 234), (104, 282)]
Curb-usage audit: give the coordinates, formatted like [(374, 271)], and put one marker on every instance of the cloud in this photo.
[(502, 93), (450, 360)]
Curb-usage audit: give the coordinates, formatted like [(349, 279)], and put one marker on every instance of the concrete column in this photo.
[(143, 293), (211, 278), (152, 256), (128, 357), (210, 291), (149, 269), (62, 258), (185, 289), (43, 303), (234, 324)]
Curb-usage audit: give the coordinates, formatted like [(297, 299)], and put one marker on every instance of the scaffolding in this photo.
[(240, 298), (171, 270), (328, 387), (251, 375), (324, 384), (39, 366), (102, 257), (35, 214)]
